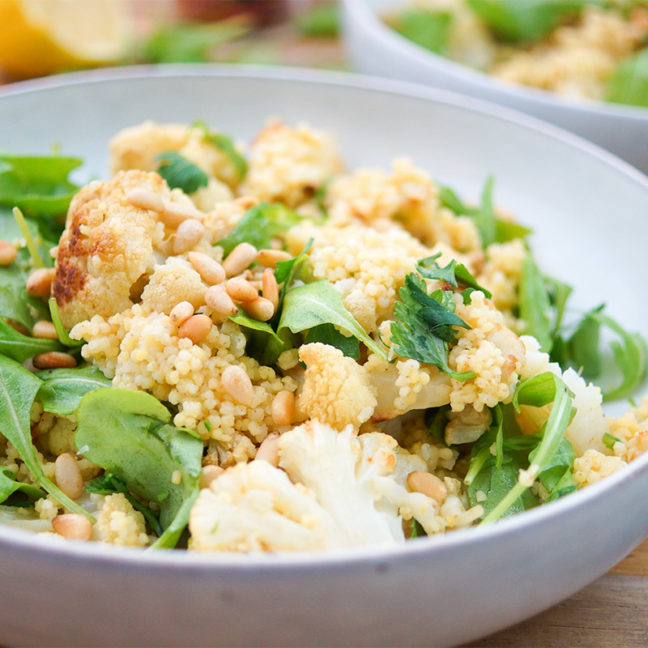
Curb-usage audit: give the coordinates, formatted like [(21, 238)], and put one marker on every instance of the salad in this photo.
[(580, 49), (235, 352)]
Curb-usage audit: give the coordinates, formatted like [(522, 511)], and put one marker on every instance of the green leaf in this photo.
[(484, 217), (61, 331), (62, 389), (18, 389), (583, 345), (506, 231), (20, 347), (38, 185), (15, 304), (259, 225), (436, 420), (629, 82), (320, 20), (454, 274), (129, 434), (310, 305), (528, 20), (425, 27), (181, 173), (416, 530), (609, 440), (328, 334), (225, 144), (534, 306), (18, 493)]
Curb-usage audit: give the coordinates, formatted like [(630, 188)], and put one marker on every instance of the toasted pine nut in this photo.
[(269, 258), (39, 283), (269, 287), (208, 474), (54, 360), (210, 271), (181, 312), (260, 309), (196, 328), (8, 253), (428, 484), (238, 385), (283, 408), (145, 199), (68, 475), (269, 450), (220, 302), (173, 214), (187, 235), (239, 259), (241, 290), (45, 330), (72, 526), (54, 251)]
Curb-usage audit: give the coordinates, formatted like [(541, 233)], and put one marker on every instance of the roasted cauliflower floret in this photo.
[(337, 390), (120, 524), (255, 507), (289, 164), (171, 283), (109, 247)]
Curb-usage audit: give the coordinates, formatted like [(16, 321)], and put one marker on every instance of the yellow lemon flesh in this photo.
[(39, 37)]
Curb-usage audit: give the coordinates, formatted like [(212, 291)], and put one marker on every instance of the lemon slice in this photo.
[(38, 37)]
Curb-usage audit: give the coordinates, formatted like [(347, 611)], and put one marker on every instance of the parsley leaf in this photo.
[(226, 145), (181, 173)]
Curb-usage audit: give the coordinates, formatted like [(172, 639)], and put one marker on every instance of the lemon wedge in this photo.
[(39, 37)]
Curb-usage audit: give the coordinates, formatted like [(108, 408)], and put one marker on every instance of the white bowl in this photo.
[(377, 49), (589, 209)]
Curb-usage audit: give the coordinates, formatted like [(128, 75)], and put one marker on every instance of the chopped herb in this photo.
[(181, 173), (226, 145)]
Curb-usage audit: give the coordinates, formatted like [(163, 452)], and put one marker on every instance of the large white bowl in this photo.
[(377, 49), (589, 210)]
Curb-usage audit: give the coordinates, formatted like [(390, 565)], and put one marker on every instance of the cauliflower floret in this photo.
[(109, 247), (120, 524), (337, 390), (171, 283), (288, 164), (594, 466), (255, 507)]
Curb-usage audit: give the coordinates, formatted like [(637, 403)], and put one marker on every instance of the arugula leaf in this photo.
[(29, 240), (20, 347), (423, 326), (557, 476), (181, 173), (609, 440), (226, 145), (310, 305), (15, 493), (18, 389), (319, 20), (629, 82), (38, 185), (61, 331), (259, 225), (328, 334), (436, 420), (529, 20), (416, 530), (15, 304), (583, 345), (263, 343), (129, 434), (425, 27), (534, 306), (62, 389)]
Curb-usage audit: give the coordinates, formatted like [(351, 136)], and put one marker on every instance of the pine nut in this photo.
[(240, 258), (241, 290), (196, 328), (181, 312), (173, 214), (187, 235), (145, 199), (208, 474), (54, 360), (220, 302), (45, 330), (428, 484), (72, 526), (283, 408), (269, 287), (68, 475), (39, 283), (54, 251), (8, 253), (238, 385), (260, 309), (269, 450), (210, 271), (270, 258)]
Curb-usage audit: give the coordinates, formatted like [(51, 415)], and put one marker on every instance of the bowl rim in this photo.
[(367, 17), (106, 556)]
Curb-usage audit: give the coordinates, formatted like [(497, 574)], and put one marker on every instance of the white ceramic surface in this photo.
[(376, 49), (589, 210)]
